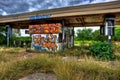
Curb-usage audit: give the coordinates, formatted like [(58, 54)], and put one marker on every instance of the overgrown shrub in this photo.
[(2, 39), (19, 39), (103, 50)]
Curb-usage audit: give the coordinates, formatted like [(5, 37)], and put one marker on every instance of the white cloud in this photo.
[(32, 9), (4, 13), (97, 1), (110, 0), (85, 2)]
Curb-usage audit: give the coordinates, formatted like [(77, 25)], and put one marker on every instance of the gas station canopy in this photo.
[(77, 16)]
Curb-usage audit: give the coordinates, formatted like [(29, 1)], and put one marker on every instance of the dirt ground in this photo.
[(40, 76)]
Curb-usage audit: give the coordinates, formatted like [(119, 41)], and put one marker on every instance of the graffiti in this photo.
[(45, 42), (39, 17), (45, 28)]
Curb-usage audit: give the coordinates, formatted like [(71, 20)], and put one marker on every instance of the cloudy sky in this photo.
[(8, 7)]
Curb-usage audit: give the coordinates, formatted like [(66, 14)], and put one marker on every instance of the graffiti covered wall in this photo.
[(45, 42), (45, 28), (45, 36)]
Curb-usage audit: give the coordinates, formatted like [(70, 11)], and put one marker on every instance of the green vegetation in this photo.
[(85, 34), (78, 63), (102, 50), (65, 69), (8, 54), (2, 37), (2, 40), (15, 69), (98, 50), (117, 34), (88, 34), (18, 39), (21, 39)]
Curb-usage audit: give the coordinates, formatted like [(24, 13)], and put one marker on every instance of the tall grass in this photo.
[(15, 69), (64, 70), (7, 54), (89, 69), (85, 71)]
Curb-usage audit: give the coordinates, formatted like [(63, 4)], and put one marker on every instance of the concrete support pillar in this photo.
[(8, 34), (63, 32), (73, 35), (63, 35), (109, 26), (102, 29)]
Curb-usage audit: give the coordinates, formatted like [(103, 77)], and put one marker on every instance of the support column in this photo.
[(63, 35), (73, 35), (109, 26), (8, 34), (102, 30), (63, 32)]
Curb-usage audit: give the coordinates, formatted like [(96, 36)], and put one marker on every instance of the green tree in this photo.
[(97, 37), (116, 37), (85, 34), (2, 36)]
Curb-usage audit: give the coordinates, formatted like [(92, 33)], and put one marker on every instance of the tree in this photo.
[(88, 34), (97, 37), (85, 34), (116, 37), (2, 36)]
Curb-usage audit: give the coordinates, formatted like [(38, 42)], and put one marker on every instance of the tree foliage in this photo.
[(2, 39), (85, 34), (89, 34), (2, 36), (117, 34)]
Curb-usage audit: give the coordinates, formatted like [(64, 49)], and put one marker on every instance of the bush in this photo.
[(2, 39), (18, 39), (103, 50)]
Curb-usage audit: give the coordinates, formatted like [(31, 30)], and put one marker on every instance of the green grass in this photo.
[(70, 69), (78, 43), (65, 70), (16, 69), (7, 54)]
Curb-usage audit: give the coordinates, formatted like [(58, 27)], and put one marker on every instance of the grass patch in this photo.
[(7, 54), (14, 69), (65, 70)]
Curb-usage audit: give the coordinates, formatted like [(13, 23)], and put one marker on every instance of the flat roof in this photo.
[(83, 15)]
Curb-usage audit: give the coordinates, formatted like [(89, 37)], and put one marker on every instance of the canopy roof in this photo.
[(83, 15)]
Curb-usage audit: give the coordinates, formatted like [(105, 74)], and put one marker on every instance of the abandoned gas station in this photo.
[(51, 28)]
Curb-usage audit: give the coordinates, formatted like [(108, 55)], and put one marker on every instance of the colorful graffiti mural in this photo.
[(45, 36), (45, 28), (45, 42)]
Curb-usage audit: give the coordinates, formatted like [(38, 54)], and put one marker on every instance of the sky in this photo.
[(8, 7)]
